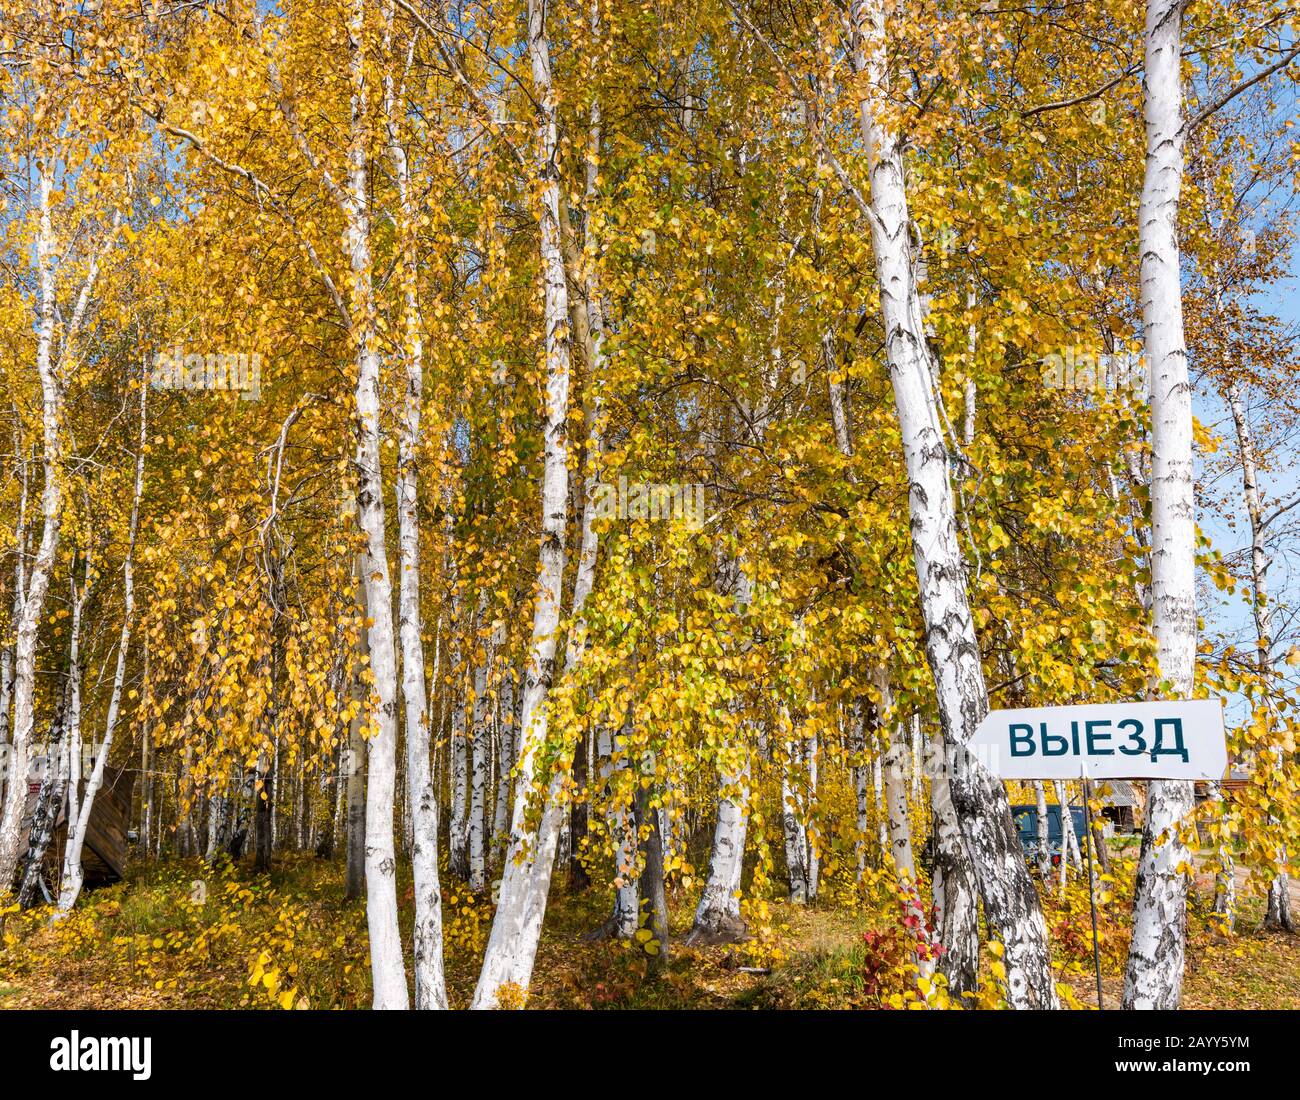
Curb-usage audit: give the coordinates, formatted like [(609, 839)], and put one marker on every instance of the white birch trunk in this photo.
[(1154, 975), (811, 834), (65, 739), (73, 766), (1011, 903), (38, 578), (878, 791), (505, 761), (269, 785), (73, 873), (214, 823), (896, 813), (918, 755), (898, 824), (1043, 853), (387, 967), (589, 324), (900, 830), (479, 743), (422, 797), (858, 747), (622, 924), (1069, 845), (717, 916), (526, 881), (952, 884), (458, 750), (1277, 909), (353, 758), (6, 691), (839, 406), (1225, 879), (838, 395), (146, 781), (792, 824)]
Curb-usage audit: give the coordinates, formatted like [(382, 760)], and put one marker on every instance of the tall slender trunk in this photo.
[(1069, 843), (652, 876), (589, 326), (1042, 850), (388, 972), (1277, 910), (1154, 975), (506, 729), (270, 777), (622, 922), (918, 755), (579, 818), (717, 916), (952, 883), (353, 757), (900, 830), (812, 836), (525, 884), (186, 837), (73, 874), (267, 773), (458, 827), (878, 791), (458, 751), (59, 764), (214, 828), (858, 749), (896, 816), (1011, 903), (38, 578), (146, 768), (627, 896), (422, 797), (793, 826), (479, 745), (6, 691)]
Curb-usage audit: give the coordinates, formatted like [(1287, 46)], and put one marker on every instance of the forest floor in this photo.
[(182, 934)]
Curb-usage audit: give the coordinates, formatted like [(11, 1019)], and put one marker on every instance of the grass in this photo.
[(291, 939)]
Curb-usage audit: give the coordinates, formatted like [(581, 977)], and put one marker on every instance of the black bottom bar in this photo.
[(302, 1049)]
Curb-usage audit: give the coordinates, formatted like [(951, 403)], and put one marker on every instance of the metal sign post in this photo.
[(1092, 882)]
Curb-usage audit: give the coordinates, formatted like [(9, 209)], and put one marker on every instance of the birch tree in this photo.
[(1277, 912), (38, 578), (79, 813), (525, 882), (717, 915), (386, 957), (1010, 901), (430, 986), (1154, 974), (54, 374)]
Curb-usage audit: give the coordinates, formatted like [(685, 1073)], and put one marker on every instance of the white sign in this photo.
[(1179, 739)]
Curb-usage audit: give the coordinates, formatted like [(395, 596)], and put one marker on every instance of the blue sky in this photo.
[(1226, 615)]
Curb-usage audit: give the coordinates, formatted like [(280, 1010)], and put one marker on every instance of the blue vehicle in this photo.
[(1026, 819)]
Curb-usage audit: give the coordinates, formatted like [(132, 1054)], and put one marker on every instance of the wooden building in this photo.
[(104, 855)]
